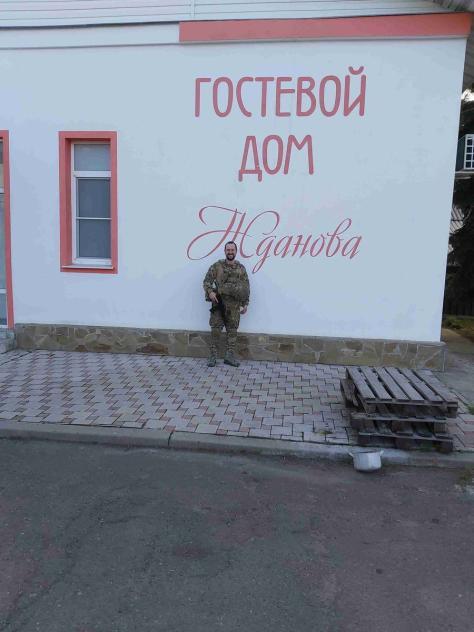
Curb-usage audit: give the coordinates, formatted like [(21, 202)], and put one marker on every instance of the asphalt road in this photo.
[(96, 539)]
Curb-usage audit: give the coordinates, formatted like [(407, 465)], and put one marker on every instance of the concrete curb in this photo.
[(125, 437), (151, 438), (277, 447)]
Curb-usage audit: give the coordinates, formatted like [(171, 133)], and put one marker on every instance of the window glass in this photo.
[(1, 164), (91, 157), (93, 238), (3, 296), (2, 243), (93, 197), (3, 309)]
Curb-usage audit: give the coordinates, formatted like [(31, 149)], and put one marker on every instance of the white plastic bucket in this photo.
[(367, 460)]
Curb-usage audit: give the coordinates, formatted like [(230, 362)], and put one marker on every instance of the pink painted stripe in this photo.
[(4, 136), (386, 27)]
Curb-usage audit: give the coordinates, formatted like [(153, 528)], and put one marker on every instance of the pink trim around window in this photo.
[(65, 212), (373, 27), (4, 136)]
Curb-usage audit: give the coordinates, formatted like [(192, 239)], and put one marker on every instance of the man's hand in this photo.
[(213, 297), (243, 310)]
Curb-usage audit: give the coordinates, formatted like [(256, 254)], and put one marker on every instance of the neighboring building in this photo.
[(457, 220), (465, 157), (138, 137)]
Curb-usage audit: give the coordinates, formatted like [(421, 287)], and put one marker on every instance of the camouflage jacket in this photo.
[(230, 281)]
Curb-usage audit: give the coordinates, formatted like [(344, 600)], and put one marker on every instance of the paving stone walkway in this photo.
[(295, 402)]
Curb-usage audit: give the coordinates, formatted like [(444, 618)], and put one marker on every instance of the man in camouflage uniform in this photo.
[(226, 285)]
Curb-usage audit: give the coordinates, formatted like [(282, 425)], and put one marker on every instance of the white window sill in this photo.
[(87, 266)]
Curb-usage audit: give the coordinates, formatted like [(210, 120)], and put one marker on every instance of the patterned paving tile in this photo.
[(259, 399)]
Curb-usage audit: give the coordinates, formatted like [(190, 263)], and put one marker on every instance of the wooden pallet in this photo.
[(369, 387), (399, 412), (410, 431), (381, 437), (400, 424)]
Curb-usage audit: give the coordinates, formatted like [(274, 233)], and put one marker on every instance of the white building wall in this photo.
[(79, 12), (389, 171)]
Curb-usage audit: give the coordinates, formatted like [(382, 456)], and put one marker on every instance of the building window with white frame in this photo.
[(3, 291), (469, 155), (90, 204)]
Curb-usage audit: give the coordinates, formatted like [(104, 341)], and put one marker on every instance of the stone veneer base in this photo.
[(265, 347)]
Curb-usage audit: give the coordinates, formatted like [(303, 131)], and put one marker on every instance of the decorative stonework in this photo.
[(265, 347), (7, 340)]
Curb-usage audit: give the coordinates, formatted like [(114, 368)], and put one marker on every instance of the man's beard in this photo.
[(230, 256)]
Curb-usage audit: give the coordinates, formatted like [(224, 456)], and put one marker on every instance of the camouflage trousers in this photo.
[(230, 320)]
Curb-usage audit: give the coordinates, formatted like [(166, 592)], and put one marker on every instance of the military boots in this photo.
[(212, 360), (230, 359)]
